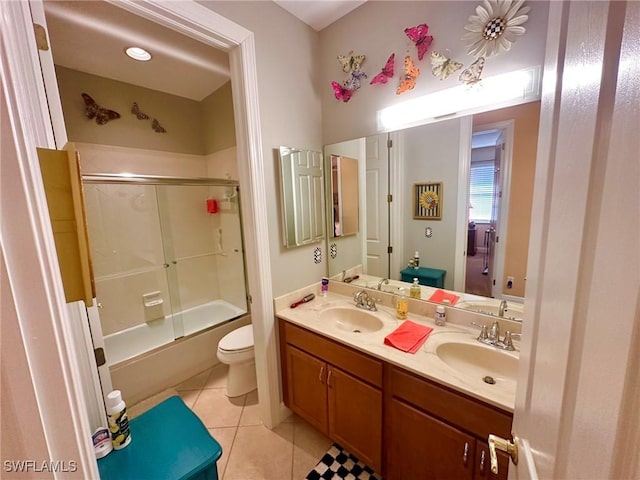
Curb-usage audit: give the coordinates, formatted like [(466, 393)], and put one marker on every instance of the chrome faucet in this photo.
[(491, 336), (502, 308), (364, 301), (383, 280)]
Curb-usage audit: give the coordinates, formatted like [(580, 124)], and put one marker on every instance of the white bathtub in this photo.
[(136, 340)]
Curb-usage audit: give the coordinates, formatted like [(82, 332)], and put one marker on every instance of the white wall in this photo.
[(432, 155), (287, 53), (376, 29)]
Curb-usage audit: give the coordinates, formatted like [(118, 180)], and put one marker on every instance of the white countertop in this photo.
[(424, 362)]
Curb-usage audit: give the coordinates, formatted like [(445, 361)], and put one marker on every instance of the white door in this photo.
[(576, 412), (88, 336), (377, 187)]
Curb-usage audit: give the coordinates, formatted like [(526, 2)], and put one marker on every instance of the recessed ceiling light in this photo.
[(138, 53)]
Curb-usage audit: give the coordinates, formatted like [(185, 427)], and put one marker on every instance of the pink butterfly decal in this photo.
[(418, 35), (341, 92), (386, 73)]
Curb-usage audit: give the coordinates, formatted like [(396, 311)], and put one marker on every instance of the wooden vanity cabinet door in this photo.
[(307, 390), (424, 448), (483, 463), (355, 416)]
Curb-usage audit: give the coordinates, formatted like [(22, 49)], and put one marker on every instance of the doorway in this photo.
[(488, 180)]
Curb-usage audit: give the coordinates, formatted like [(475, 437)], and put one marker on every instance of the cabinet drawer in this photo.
[(349, 360), (469, 414)]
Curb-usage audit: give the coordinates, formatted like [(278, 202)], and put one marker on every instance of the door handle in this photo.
[(321, 374), (328, 377), (499, 443)]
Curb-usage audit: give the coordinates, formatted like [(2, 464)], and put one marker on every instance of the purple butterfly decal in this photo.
[(419, 36), (341, 92), (93, 110), (387, 71), (354, 81)]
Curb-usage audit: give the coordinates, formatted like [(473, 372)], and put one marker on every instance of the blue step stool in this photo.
[(167, 442), (431, 277)]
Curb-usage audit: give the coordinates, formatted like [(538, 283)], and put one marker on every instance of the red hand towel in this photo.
[(440, 295), (408, 337)]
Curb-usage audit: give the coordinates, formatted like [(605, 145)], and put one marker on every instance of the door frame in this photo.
[(508, 129), (29, 251)]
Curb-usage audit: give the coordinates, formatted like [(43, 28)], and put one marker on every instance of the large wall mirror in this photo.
[(482, 170)]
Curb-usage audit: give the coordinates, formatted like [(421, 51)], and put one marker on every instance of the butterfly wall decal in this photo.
[(341, 92), (157, 127), (351, 62), (386, 73), (471, 74), (135, 109), (354, 81), (419, 37), (93, 110), (408, 80), (443, 66)]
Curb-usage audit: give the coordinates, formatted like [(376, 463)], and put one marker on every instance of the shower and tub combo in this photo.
[(168, 263)]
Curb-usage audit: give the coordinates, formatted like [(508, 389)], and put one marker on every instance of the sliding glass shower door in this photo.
[(167, 259)]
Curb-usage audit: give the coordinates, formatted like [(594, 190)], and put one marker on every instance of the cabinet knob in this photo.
[(507, 446), (329, 378), (321, 376), (465, 453), (483, 457)]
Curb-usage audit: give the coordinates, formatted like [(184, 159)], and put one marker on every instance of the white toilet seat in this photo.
[(238, 340)]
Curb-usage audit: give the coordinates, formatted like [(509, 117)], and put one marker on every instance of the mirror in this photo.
[(302, 195), (344, 195), (438, 155)]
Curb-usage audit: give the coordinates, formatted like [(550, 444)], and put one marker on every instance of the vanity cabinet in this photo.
[(432, 432), (336, 389), (429, 432)]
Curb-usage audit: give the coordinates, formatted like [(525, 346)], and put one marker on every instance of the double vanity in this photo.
[(408, 416)]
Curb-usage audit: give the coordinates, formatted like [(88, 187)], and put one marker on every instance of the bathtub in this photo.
[(126, 344)]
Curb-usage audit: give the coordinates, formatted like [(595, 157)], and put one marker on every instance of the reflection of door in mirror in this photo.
[(302, 195), (485, 192), (344, 195)]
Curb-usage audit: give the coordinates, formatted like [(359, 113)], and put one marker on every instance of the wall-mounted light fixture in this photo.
[(499, 91)]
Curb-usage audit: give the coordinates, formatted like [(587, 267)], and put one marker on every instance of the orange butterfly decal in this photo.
[(408, 80)]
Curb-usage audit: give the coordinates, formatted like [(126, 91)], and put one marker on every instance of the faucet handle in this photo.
[(508, 342), (483, 331)]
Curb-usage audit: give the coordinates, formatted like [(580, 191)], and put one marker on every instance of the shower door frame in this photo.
[(160, 180)]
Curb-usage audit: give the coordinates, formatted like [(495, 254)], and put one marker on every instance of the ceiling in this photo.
[(319, 13), (92, 36)]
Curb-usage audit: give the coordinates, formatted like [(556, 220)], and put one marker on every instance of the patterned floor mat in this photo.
[(337, 464)]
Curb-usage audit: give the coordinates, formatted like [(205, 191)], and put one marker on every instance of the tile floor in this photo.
[(250, 450)]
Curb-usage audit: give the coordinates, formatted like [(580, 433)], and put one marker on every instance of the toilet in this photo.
[(236, 350)]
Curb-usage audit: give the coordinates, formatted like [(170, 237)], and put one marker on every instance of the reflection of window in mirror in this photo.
[(344, 193)]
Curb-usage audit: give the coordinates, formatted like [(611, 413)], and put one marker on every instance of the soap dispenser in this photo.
[(402, 304), (414, 291)]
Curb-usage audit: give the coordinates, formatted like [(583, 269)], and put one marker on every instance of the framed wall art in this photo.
[(427, 201)]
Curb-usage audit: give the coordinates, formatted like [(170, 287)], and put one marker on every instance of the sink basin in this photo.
[(352, 319), (479, 361), (513, 310)]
